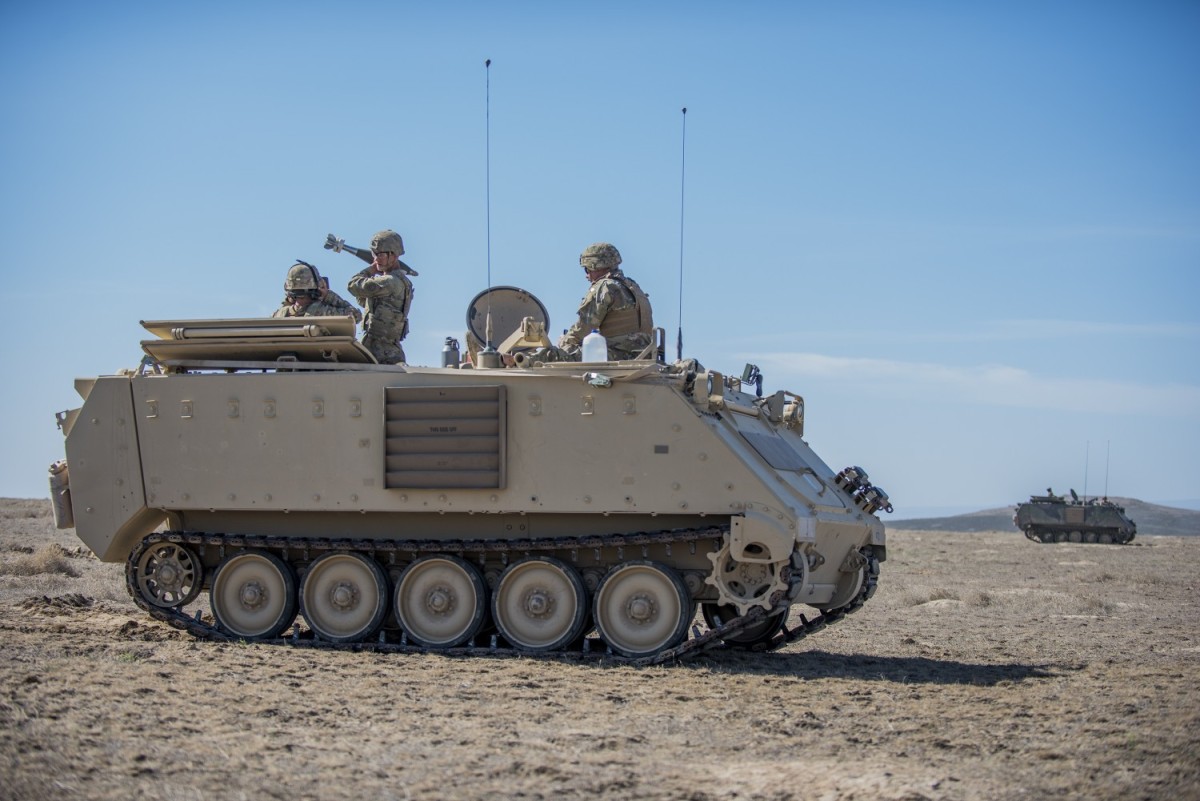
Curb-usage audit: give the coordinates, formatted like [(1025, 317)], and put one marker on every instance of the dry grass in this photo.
[(37, 559), (980, 599), (50, 559), (986, 667), (23, 509)]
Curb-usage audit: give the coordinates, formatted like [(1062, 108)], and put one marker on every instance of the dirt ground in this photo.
[(986, 667)]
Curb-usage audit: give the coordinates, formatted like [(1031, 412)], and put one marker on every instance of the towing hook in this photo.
[(852, 479), (875, 499)]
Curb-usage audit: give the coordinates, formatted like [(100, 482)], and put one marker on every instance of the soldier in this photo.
[(614, 305), (303, 294), (387, 294), (336, 301)]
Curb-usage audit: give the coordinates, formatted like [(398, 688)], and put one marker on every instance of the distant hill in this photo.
[(1149, 517)]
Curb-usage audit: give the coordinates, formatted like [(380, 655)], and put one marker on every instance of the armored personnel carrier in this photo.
[(1053, 518), (272, 469)]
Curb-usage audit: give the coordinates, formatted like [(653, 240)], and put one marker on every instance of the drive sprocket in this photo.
[(745, 585)]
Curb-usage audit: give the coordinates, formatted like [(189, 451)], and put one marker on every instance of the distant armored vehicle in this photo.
[(275, 465), (1052, 518)]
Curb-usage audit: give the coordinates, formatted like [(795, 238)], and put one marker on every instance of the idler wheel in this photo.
[(253, 595), (167, 575), (343, 597), (642, 608), (716, 615), (441, 601), (540, 604)]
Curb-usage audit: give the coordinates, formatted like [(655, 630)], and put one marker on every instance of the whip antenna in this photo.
[(682, 176), (1086, 458), (487, 148), (1107, 453), (488, 357)]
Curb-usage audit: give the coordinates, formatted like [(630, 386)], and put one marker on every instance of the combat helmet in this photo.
[(387, 241), (600, 256), (302, 280)]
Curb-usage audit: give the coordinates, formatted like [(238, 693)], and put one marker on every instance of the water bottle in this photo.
[(595, 347), (450, 353)]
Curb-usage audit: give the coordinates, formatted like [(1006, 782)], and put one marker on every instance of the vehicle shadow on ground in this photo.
[(865, 667)]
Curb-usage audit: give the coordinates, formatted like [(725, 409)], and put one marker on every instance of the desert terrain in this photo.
[(986, 667)]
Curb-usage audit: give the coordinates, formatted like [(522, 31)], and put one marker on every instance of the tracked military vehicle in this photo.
[(1053, 518), (315, 497)]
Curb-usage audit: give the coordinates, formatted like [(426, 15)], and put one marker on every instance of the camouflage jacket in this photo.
[(315, 309), (344, 306), (616, 307), (387, 297)]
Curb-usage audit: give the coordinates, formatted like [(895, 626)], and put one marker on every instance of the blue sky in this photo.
[(967, 234)]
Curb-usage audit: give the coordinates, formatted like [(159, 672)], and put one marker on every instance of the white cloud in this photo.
[(1056, 329), (1016, 330), (999, 385)]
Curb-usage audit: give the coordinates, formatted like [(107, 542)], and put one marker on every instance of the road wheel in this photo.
[(253, 595), (540, 604), (642, 608), (344, 597), (441, 601)]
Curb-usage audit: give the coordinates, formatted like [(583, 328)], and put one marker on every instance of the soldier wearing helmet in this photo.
[(303, 298), (614, 305), (385, 291)]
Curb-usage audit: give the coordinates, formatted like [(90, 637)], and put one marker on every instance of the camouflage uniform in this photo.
[(344, 307), (303, 283), (615, 306), (315, 309), (387, 297)]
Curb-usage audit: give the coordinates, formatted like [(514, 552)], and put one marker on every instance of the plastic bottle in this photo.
[(595, 347)]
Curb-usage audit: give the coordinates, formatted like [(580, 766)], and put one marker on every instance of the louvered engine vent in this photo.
[(445, 437)]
